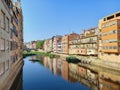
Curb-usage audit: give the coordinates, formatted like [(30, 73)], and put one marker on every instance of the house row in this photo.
[(79, 44), (102, 41), (31, 45)]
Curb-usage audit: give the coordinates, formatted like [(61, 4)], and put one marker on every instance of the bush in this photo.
[(72, 59)]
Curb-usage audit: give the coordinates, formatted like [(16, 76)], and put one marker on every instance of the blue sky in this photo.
[(46, 18)]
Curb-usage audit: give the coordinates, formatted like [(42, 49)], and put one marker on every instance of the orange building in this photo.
[(65, 44), (110, 35)]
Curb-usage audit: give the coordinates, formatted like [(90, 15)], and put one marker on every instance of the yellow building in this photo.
[(89, 42), (73, 43), (109, 27)]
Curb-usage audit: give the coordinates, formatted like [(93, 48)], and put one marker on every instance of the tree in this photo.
[(40, 44)]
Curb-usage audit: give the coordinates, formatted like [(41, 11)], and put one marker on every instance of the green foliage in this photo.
[(45, 54), (25, 54), (72, 59), (40, 44)]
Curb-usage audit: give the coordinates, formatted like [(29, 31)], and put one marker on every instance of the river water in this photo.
[(58, 74)]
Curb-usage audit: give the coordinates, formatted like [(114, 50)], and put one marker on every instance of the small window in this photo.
[(2, 68), (3, 20), (6, 65), (118, 14), (110, 17), (7, 24), (114, 31), (2, 44), (104, 19), (7, 45)]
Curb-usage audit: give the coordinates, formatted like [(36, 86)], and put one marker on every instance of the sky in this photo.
[(46, 18)]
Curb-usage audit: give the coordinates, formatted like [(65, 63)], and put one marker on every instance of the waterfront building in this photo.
[(11, 41), (57, 43), (65, 44), (28, 45), (88, 42), (34, 45), (109, 28), (48, 45), (73, 43)]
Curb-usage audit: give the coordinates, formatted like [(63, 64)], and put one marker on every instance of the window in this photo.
[(7, 45), (2, 68), (118, 14), (114, 31), (6, 65), (7, 24), (113, 40), (2, 20), (11, 34), (114, 47), (104, 34), (2, 44)]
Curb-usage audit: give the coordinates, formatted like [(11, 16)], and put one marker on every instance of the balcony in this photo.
[(90, 34)]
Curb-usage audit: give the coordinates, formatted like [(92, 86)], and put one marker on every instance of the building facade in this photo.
[(57, 43), (11, 41), (48, 45), (109, 27), (89, 42), (34, 45), (65, 44), (73, 43)]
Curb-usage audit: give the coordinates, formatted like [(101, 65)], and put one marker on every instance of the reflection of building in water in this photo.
[(73, 69), (33, 57), (83, 75), (95, 80), (18, 82), (109, 81), (82, 70), (108, 85), (93, 76), (55, 66), (50, 64), (59, 64), (65, 69), (45, 61)]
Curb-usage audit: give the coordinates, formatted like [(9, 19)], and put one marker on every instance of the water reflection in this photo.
[(34, 76), (18, 83), (96, 80)]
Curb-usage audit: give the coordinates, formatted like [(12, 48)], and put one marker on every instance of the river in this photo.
[(58, 74)]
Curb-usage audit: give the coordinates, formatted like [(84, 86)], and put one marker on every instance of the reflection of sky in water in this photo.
[(37, 77)]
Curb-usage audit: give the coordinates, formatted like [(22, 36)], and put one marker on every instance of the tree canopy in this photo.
[(40, 44)]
